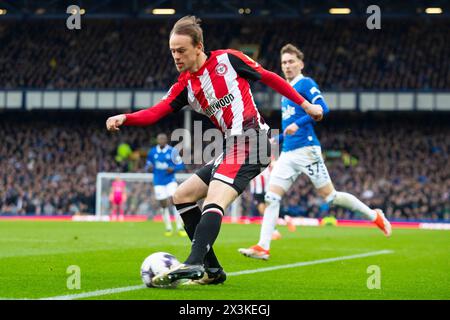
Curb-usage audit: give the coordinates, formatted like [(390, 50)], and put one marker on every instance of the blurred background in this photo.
[(386, 139)]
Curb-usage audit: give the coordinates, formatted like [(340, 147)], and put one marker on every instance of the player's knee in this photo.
[(182, 195), (272, 197), (178, 197)]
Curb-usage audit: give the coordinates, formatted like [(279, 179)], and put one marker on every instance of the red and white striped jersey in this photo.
[(260, 184), (220, 90)]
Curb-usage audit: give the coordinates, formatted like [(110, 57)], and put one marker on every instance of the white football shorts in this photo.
[(164, 192), (291, 164)]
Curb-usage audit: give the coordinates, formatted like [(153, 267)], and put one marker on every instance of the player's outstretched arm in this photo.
[(173, 101), (250, 69), (280, 85), (140, 118), (113, 123), (307, 119), (293, 127)]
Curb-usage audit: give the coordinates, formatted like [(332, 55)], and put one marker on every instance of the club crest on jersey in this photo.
[(221, 69)]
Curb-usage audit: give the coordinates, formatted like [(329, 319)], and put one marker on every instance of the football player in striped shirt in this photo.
[(216, 84)]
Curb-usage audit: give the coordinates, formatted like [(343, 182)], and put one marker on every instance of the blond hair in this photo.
[(189, 26)]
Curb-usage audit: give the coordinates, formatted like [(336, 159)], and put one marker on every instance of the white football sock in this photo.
[(166, 218), (349, 201), (178, 219), (269, 219)]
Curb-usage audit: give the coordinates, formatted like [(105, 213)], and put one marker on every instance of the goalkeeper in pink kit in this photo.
[(118, 198)]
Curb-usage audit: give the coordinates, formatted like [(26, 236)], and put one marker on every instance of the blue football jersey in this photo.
[(161, 160), (291, 112)]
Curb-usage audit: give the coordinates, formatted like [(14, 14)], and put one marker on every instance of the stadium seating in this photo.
[(398, 162), (341, 55)]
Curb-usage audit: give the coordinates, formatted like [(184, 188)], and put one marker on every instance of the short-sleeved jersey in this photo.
[(220, 89), (291, 112), (161, 160)]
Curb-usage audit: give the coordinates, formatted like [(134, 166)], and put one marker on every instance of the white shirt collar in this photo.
[(296, 79), (158, 148)]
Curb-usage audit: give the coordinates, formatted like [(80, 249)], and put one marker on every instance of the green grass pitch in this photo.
[(34, 257)]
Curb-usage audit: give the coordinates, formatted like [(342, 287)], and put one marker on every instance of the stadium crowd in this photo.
[(48, 165), (406, 54), (49, 162)]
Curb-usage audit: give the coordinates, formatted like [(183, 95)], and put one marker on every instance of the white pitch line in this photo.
[(96, 293), (308, 263), (237, 273)]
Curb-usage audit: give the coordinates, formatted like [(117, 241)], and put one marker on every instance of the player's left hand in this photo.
[(170, 170), (291, 129)]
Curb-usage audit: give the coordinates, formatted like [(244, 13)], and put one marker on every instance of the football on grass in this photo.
[(156, 264)]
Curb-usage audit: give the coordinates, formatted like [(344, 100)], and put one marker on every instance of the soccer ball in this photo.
[(155, 264)]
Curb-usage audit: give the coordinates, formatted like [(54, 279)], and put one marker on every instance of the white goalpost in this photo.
[(140, 195)]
